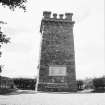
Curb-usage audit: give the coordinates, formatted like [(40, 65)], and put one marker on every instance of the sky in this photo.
[(21, 56)]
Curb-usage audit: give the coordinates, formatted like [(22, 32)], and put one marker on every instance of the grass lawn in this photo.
[(32, 98)]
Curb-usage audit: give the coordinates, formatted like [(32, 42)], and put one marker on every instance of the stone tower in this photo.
[(57, 60)]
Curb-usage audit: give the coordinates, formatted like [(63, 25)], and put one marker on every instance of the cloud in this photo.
[(21, 56)]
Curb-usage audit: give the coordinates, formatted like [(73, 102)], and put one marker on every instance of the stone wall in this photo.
[(57, 49)]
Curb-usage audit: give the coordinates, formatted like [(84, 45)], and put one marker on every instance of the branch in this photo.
[(12, 4)]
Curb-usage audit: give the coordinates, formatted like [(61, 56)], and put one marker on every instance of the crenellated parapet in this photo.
[(54, 16), (56, 19)]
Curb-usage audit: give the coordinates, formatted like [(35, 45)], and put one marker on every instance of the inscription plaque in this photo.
[(57, 71)]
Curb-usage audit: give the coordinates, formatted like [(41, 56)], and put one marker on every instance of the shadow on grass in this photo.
[(6, 91), (19, 92), (98, 91), (16, 92)]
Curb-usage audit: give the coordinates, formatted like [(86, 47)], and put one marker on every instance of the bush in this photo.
[(99, 84), (25, 83)]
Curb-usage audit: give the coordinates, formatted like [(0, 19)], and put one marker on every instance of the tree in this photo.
[(12, 4), (99, 84), (3, 39)]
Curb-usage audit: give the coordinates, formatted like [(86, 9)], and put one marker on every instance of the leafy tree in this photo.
[(3, 39), (99, 83), (12, 4)]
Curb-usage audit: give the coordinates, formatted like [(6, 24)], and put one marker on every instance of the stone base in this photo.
[(55, 87)]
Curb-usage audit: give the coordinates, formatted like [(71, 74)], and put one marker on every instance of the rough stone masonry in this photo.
[(57, 60)]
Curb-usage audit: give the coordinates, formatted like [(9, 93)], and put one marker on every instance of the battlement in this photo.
[(54, 16)]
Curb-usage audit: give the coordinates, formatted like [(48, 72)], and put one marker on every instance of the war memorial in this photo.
[(57, 58)]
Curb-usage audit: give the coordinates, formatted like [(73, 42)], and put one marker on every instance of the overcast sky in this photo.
[(21, 56)]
